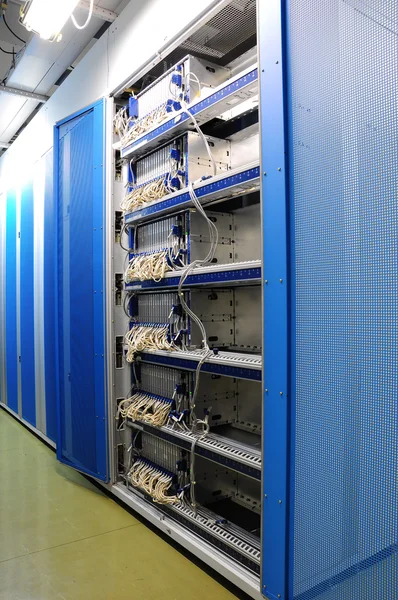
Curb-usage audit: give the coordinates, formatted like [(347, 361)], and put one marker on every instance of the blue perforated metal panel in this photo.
[(11, 302), (27, 318), (80, 189), (343, 57)]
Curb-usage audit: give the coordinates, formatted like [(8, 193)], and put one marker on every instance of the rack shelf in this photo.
[(235, 90), (229, 364), (227, 452), (243, 180), (243, 273), (227, 537)]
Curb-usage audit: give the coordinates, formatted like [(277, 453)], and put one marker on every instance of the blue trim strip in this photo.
[(11, 302), (57, 256), (173, 360), (50, 343), (241, 275), (181, 118), (363, 565), (292, 305), (99, 241), (275, 506), (183, 198), (27, 316)]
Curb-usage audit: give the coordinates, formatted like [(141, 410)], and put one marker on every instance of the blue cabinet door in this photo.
[(27, 315), (80, 194), (11, 302)]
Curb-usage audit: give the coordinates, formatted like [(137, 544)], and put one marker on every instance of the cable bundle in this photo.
[(146, 407), (121, 122), (153, 480), (147, 336), (147, 265), (140, 126), (141, 195)]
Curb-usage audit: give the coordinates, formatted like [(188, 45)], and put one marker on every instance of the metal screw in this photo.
[(279, 169), (277, 62), (280, 501), (279, 595), (266, 391), (265, 173), (265, 587), (265, 495), (265, 280), (281, 393), (281, 280)]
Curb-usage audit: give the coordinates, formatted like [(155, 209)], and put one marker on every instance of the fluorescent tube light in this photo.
[(47, 17)]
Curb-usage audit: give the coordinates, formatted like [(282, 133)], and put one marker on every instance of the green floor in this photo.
[(61, 538)]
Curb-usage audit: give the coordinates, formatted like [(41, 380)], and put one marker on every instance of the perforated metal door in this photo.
[(343, 69), (79, 152)]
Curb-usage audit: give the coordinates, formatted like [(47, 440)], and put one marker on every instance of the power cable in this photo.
[(11, 31)]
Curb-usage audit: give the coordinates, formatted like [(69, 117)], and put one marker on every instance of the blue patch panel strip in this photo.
[(229, 364), (244, 273), (240, 88), (244, 179)]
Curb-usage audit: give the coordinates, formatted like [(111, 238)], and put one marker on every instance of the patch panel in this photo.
[(231, 317), (182, 84), (185, 160), (242, 180), (236, 90)]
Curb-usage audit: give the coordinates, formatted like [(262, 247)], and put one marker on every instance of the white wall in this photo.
[(136, 35)]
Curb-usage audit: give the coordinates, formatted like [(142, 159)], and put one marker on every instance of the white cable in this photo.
[(152, 480), (90, 14)]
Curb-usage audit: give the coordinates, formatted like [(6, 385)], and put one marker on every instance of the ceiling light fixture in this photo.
[(47, 18)]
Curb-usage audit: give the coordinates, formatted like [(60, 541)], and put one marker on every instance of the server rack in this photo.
[(272, 458), (214, 497)]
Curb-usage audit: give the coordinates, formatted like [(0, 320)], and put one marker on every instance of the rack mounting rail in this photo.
[(243, 180), (226, 536), (229, 364), (235, 90), (228, 453), (241, 273)]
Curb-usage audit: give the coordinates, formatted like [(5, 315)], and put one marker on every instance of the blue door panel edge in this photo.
[(276, 384), (49, 306), (27, 319), (11, 302)]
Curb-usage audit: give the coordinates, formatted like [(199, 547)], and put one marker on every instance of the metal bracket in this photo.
[(30, 95), (101, 13)]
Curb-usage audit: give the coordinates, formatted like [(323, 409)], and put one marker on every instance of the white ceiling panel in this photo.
[(13, 113), (43, 63)]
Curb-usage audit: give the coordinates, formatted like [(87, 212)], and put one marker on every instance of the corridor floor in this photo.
[(62, 538)]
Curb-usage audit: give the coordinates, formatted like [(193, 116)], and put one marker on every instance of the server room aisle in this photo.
[(61, 538)]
